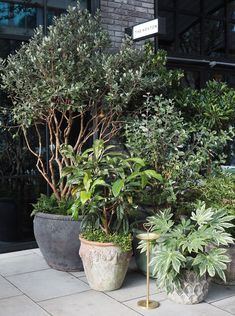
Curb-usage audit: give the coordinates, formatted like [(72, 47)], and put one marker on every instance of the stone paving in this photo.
[(29, 287)]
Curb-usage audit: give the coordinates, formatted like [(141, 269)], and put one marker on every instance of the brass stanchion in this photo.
[(148, 304)]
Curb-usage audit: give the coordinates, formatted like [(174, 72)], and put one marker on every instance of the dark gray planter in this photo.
[(58, 239)]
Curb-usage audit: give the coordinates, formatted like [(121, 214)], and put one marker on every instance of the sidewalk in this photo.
[(28, 287)]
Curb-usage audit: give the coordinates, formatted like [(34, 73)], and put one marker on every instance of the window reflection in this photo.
[(189, 34), (214, 38)]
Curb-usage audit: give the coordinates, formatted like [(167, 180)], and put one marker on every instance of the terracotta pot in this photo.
[(58, 239), (193, 289), (105, 264)]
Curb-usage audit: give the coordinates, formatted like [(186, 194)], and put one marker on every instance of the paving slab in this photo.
[(47, 284), (7, 289), (21, 264), (79, 274), (20, 306), (219, 292), (169, 308), (16, 253), (134, 286), (87, 304), (227, 304)]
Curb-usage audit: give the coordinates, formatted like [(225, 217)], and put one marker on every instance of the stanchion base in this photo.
[(150, 305)]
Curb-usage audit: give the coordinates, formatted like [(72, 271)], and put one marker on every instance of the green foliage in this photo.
[(124, 241), (105, 184), (212, 107), (219, 192), (184, 245), (51, 205), (181, 153)]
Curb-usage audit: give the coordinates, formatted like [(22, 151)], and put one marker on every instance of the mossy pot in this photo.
[(105, 264)]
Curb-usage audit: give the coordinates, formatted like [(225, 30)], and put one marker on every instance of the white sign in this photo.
[(145, 29)]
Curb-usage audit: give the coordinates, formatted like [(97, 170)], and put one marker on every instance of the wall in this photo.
[(119, 14)]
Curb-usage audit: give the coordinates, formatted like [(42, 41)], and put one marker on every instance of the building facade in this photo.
[(199, 39)]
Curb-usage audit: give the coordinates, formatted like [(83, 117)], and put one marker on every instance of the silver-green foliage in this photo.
[(182, 153), (184, 245)]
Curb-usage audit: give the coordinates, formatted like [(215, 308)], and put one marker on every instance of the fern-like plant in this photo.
[(184, 245)]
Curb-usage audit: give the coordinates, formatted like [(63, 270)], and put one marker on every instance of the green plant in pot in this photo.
[(105, 184), (182, 261), (59, 85), (218, 191)]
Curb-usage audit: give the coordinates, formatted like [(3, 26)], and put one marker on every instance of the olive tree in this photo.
[(71, 85)]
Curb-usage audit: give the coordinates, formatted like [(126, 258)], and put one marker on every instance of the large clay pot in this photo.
[(105, 264), (193, 289), (58, 239)]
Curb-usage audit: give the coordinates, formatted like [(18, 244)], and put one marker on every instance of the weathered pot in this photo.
[(105, 264), (193, 290), (58, 239)]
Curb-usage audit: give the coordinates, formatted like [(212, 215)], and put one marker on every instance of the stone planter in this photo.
[(58, 239), (105, 264), (193, 290)]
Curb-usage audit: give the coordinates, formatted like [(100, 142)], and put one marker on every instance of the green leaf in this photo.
[(153, 174), (137, 160), (85, 196), (117, 187), (87, 181)]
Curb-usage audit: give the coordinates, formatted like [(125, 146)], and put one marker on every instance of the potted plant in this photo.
[(182, 261), (219, 192), (66, 88), (105, 184)]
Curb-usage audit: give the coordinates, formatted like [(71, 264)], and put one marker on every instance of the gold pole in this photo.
[(147, 254), (148, 304)]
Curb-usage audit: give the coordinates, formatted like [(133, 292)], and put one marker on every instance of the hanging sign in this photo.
[(145, 29)]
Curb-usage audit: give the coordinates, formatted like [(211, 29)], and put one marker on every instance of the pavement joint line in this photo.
[(12, 296), (221, 308), (143, 296), (121, 303), (10, 275), (30, 298), (54, 298)]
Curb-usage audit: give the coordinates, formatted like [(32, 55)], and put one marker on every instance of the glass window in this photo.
[(167, 41), (232, 38), (189, 5), (214, 33), (166, 4), (18, 19), (231, 9), (189, 34), (215, 8)]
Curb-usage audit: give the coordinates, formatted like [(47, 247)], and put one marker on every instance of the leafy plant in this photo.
[(69, 84), (105, 184), (182, 154), (184, 245), (124, 241), (51, 205), (211, 107), (218, 192)]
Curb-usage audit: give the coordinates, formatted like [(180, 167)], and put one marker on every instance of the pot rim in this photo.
[(55, 217), (100, 244)]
